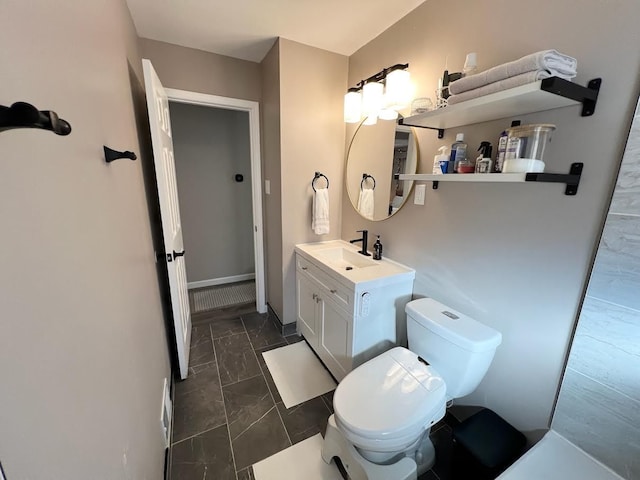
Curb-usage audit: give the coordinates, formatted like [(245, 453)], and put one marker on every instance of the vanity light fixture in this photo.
[(381, 95)]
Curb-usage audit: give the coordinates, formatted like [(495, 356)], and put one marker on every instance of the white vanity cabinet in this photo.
[(349, 319)]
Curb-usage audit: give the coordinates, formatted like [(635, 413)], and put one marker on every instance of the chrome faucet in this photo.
[(364, 240)]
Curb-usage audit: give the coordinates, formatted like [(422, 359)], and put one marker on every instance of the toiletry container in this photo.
[(458, 153), (440, 161), (483, 162), (525, 148), (502, 147), (377, 249)]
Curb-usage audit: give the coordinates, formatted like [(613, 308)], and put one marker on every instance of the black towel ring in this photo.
[(365, 176), (317, 176)]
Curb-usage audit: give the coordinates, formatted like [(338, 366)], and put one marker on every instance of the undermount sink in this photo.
[(343, 258)]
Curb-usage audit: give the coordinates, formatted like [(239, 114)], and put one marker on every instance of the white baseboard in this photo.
[(221, 281)]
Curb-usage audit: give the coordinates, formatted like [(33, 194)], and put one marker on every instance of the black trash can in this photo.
[(484, 446)]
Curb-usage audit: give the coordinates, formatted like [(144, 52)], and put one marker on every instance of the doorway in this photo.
[(217, 158)]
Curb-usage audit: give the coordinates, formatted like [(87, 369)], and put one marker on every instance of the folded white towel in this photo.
[(551, 61), (320, 214), (494, 87), (366, 203)]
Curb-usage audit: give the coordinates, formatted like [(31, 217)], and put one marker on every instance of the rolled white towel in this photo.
[(494, 87), (320, 214), (366, 205), (555, 63)]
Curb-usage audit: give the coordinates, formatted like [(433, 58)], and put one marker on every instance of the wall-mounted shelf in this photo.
[(572, 179), (547, 94)]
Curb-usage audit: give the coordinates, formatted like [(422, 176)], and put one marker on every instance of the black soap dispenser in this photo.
[(377, 249)]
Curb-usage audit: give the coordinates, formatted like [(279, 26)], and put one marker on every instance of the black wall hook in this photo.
[(110, 155), (25, 115)]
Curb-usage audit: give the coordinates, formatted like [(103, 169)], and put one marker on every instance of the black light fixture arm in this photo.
[(380, 76), (25, 115)]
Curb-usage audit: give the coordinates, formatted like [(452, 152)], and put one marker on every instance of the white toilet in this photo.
[(385, 408)]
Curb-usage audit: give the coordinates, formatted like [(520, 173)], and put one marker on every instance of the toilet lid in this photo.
[(389, 396)]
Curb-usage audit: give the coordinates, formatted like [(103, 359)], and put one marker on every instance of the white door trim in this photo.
[(253, 108)]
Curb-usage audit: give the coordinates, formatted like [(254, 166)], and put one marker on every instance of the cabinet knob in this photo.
[(315, 296), (333, 291)]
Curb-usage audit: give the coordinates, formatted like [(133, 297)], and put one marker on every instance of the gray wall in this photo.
[(83, 351), (600, 396), (272, 206), (198, 71), (212, 145), (513, 256)]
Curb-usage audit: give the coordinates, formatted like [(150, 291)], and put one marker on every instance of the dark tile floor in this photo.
[(228, 414)]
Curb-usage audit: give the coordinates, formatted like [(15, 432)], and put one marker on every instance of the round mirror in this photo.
[(377, 155)]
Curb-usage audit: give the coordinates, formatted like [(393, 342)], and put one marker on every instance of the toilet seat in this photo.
[(387, 403)]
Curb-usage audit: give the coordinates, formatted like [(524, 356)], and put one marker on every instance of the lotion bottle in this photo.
[(441, 161)]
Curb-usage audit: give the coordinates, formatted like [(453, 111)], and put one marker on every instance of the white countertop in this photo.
[(381, 272)]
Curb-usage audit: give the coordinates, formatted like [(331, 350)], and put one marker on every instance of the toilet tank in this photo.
[(458, 347)]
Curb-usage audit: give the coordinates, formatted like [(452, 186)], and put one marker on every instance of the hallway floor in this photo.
[(228, 414)]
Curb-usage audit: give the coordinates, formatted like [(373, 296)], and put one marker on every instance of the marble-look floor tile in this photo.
[(305, 420), (262, 330), (295, 338), (201, 347), (601, 421), (226, 326), (207, 455), (246, 401), (246, 474), (267, 374), (616, 272), (606, 347), (236, 359), (198, 403), (443, 442), (264, 438), (328, 400)]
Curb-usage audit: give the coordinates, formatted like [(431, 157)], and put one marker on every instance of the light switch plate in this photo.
[(419, 193), (267, 187)]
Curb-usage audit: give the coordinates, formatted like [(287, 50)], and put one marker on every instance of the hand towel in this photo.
[(494, 87), (320, 214), (551, 61), (366, 204)]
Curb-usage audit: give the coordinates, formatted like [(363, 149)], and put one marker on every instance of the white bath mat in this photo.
[(298, 374), (210, 298), (301, 461)]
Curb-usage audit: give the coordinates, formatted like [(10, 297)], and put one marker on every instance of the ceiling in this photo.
[(247, 29)]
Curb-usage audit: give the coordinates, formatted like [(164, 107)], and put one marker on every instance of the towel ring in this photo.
[(317, 176), (365, 176)]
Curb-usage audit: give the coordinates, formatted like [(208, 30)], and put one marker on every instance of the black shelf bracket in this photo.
[(588, 95), (440, 130), (25, 115), (572, 179), (435, 185)]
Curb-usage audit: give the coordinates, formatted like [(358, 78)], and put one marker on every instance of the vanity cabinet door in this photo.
[(306, 306), (335, 337)]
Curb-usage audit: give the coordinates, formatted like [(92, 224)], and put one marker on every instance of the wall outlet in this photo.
[(419, 194), (267, 187)]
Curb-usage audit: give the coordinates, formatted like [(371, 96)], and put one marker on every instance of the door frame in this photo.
[(253, 109)]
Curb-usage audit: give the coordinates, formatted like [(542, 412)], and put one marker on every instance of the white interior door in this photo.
[(158, 106)]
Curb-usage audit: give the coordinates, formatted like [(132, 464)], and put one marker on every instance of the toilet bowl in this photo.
[(384, 409)]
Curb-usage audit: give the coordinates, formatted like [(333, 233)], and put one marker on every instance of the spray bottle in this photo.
[(440, 161), (483, 162)]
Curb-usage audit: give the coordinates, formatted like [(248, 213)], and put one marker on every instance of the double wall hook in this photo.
[(25, 115), (110, 154)]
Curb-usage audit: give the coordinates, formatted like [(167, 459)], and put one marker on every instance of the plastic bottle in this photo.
[(377, 249), (483, 162), (470, 64), (458, 153), (441, 161), (502, 148)]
